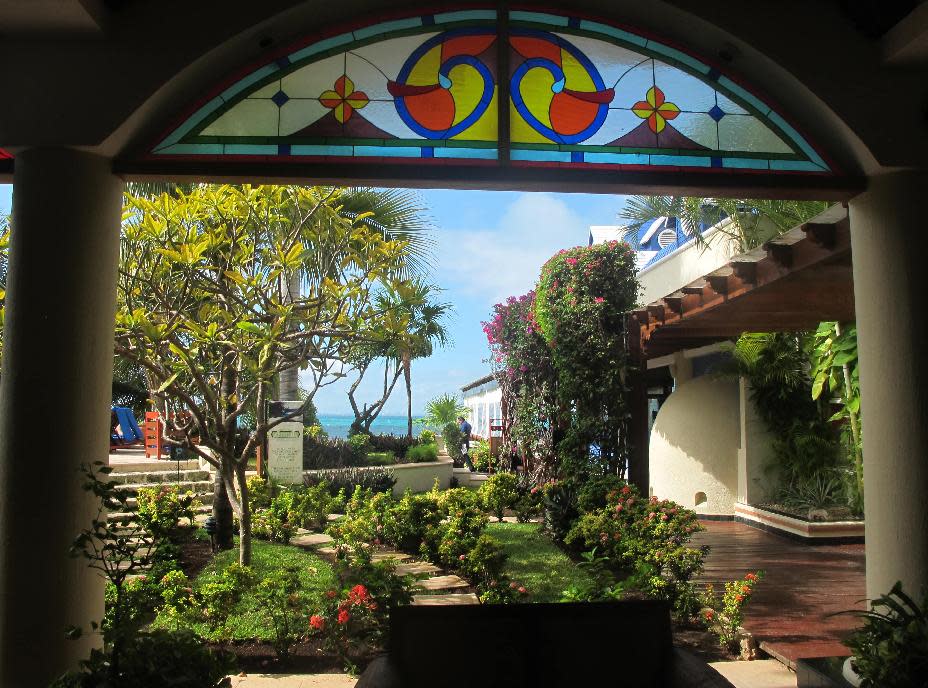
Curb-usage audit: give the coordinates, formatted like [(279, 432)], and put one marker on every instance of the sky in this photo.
[(488, 245)]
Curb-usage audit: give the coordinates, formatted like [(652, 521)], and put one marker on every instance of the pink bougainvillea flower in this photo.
[(599, 299)]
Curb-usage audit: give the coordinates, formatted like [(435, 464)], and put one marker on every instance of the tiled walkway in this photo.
[(804, 585)]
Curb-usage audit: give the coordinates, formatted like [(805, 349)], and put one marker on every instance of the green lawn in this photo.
[(385, 458), (247, 620), (535, 561)]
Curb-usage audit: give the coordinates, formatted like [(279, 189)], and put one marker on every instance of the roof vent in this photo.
[(666, 237)]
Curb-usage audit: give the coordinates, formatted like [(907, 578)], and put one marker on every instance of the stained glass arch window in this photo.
[(429, 88)]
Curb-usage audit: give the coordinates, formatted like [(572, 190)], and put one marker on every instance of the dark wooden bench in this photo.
[(627, 644)]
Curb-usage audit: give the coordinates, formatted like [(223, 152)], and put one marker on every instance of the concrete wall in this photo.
[(418, 477), (685, 265), (694, 445), (755, 481)]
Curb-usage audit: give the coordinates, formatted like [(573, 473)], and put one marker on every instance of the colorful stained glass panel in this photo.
[(428, 87)]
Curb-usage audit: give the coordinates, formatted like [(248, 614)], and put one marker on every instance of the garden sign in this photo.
[(285, 443)]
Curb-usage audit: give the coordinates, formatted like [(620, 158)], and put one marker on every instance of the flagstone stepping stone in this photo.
[(415, 568), (451, 599), (334, 517), (382, 556), (311, 540), (442, 583), (331, 551)]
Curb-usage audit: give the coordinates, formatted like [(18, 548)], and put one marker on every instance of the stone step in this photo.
[(397, 556), (203, 510), (203, 497), (122, 463), (311, 540), (415, 568), (165, 476), (200, 486), (441, 600), (450, 582)]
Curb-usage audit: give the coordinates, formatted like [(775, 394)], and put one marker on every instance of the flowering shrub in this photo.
[(480, 455), (280, 599), (724, 617), (344, 620), (583, 296), (523, 369), (499, 492), (267, 524), (213, 599), (632, 532), (162, 509)]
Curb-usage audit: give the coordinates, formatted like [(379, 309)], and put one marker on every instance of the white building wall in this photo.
[(484, 403), (694, 446), (686, 265)]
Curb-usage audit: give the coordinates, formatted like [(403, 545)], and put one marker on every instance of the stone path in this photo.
[(434, 585), (761, 673)]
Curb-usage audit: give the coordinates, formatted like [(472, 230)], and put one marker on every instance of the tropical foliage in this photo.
[(751, 221), (201, 307)]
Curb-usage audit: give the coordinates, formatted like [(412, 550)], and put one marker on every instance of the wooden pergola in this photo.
[(792, 282)]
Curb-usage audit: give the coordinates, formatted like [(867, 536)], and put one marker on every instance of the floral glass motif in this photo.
[(581, 92)]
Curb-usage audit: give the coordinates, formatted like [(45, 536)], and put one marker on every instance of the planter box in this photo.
[(416, 477), (821, 532)]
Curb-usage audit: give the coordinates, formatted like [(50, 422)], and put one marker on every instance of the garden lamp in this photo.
[(210, 527)]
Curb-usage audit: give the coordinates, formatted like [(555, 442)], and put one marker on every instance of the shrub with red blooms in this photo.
[(635, 533), (724, 616), (345, 621)]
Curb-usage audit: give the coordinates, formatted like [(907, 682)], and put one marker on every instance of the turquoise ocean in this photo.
[(337, 426)]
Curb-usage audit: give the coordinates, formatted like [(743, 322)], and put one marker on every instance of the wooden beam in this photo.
[(719, 284), (674, 304), (823, 235), (657, 311), (781, 254), (745, 270)]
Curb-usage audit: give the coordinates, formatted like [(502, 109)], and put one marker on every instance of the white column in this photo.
[(890, 290), (54, 404)]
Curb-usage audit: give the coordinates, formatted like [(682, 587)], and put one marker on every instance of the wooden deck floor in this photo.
[(803, 585)]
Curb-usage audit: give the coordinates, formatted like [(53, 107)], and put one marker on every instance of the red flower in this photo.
[(751, 577), (359, 593), (331, 594), (317, 622), (343, 617), (523, 590), (709, 614)]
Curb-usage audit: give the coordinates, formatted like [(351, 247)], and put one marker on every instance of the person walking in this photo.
[(465, 442)]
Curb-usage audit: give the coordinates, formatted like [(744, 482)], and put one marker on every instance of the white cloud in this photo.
[(496, 262)]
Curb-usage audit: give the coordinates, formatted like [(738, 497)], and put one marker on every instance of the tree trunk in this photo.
[(244, 519), (289, 379), (407, 373), (222, 512)]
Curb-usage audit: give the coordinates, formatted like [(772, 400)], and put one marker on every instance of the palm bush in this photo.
[(443, 409)]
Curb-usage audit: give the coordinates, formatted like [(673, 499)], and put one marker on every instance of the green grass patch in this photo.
[(247, 621), (535, 561), (385, 458)]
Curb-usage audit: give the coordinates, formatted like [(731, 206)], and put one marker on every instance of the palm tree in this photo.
[(753, 221), (425, 330), (398, 214)]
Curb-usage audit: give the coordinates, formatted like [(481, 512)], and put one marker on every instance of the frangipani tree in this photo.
[(200, 306)]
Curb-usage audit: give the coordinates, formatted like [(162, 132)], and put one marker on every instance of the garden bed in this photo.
[(800, 527), (416, 477)]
